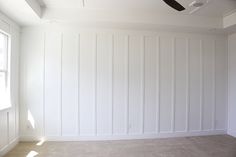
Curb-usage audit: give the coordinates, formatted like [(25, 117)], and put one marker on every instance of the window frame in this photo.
[(7, 72)]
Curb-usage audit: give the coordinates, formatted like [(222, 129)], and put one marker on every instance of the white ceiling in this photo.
[(20, 12), (215, 8)]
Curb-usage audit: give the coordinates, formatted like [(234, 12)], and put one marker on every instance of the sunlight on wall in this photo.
[(31, 119), (5, 101), (32, 154)]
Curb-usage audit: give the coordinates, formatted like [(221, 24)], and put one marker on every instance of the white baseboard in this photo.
[(123, 137), (232, 133), (9, 147)]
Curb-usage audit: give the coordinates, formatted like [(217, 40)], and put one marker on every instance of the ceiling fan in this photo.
[(194, 5), (174, 4)]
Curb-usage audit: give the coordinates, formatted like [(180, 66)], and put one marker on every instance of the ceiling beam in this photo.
[(96, 16), (35, 6), (229, 20)]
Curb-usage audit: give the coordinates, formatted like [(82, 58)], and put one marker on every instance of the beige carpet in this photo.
[(208, 146)]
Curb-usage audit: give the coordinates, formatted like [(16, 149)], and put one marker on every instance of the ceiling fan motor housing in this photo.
[(198, 3)]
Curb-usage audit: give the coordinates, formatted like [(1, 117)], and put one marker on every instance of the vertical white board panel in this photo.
[(87, 84), (3, 129), (166, 44), (120, 92), (33, 48), (221, 84), (232, 85), (22, 82), (14, 112), (12, 124), (70, 84), (194, 84), (208, 84), (150, 85), (104, 86), (53, 84), (135, 84), (15, 68), (181, 84)]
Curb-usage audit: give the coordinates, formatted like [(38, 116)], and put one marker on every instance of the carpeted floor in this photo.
[(207, 146)]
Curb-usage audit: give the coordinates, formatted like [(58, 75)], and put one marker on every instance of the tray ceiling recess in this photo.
[(197, 14)]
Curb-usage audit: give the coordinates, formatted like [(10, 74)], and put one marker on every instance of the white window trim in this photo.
[(8, 73)]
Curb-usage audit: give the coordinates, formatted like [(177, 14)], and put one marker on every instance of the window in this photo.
[(4, 72)]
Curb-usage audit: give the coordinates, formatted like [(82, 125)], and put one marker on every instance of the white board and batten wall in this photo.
[(9, 117), (121, 84)]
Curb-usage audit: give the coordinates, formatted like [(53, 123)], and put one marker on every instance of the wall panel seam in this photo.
[(127, 105), (214, 88), (228, 84), (143, 84), (173, 96), (201, 85), (44, 78), (187, 85), (158, 85), (8, 127), (95, 85), (61, 84), (112, 85), (78, 64)]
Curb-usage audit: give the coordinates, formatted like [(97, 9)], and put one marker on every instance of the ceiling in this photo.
[(19, 11), (23, 14), (215, 8)]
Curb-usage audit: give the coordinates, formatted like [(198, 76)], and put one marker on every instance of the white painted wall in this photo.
[(82, 84), (232, 85), (9, 118)]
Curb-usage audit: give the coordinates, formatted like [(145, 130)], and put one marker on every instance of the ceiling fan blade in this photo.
[(174, 4)]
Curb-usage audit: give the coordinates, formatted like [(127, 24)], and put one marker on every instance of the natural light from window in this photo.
[(4, 72), (32, 154)]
